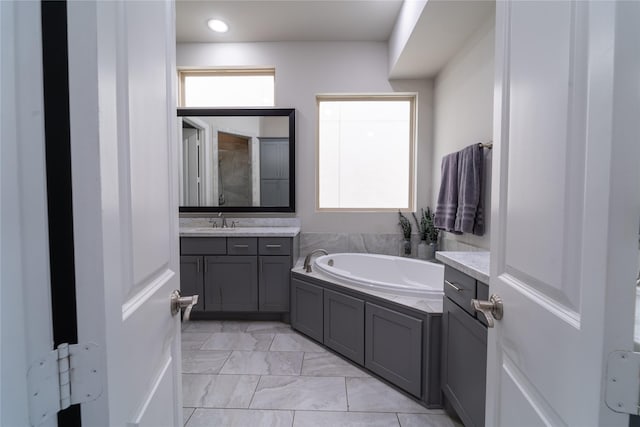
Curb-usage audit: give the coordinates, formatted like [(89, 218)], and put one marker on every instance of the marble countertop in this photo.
[(475, 264), (422, 304), (239, 232)]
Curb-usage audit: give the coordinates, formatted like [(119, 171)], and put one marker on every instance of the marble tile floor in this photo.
[(255, 374)]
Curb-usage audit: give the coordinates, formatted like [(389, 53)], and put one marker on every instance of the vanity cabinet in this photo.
[(344, 325), (394, 347), (237, 274), (464, 347)]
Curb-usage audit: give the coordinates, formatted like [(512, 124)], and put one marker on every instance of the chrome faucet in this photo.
[(307, 259), (224, 220)]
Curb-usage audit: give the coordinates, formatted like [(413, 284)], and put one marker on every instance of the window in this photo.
[(227, 88), (365, 152)]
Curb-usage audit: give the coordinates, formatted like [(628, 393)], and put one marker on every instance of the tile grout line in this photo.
[(184, 423), (346, 393), (254, 392)]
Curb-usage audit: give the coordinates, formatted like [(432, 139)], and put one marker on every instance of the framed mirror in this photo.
[(237, 159)]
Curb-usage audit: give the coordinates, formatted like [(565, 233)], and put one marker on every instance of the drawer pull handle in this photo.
[(456, 288), (274, 246), (241, 246)]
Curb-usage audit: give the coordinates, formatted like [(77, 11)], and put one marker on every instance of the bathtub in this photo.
[(384, 273)]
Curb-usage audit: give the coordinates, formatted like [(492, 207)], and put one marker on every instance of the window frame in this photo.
[(188, 72), (412, 97)]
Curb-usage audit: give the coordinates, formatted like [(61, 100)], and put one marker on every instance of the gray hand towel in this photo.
[(446, 208), (470, 212)]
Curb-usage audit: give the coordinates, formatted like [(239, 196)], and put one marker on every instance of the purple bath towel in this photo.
[(470, 211), (446, 208)]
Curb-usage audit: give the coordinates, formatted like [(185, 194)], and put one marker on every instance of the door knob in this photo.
[(492, 309), (179, 302)]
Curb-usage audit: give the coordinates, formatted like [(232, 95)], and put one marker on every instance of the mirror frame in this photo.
[(252, 112)]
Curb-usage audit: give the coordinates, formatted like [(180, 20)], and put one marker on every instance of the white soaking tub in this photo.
[(384, 273)]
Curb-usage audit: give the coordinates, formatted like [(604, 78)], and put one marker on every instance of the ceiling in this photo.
[(288, 20), (439, 33)]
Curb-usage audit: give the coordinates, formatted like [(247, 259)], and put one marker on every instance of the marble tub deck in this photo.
[(238, 373)]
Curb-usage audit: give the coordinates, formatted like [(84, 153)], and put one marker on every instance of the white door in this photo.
[(565, 209), (25, 289), (125, 192)]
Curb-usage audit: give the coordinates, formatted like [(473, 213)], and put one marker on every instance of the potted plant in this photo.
[(428, 234), (405, 245)]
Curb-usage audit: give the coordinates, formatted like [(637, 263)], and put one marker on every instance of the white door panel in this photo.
[(564, 219), (25, 287), (122, 72)]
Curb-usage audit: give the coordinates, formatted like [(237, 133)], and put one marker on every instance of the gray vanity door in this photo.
[(274, 283), (192, 278), (344, 325), (464, 363), (231, 283), (393, 347), (306, 309)]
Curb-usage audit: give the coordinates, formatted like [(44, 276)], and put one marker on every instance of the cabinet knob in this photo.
[(179, 302), (492, 309)]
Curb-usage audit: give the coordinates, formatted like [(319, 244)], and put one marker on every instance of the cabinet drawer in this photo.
[(274, 246), (242, 246), (460, 288), (203, 245)]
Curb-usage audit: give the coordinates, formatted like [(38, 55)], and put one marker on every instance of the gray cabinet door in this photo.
[(274, 158), (464, 362), (274, 283), (274, 192), (306, 309), (231, 283), (344, 325), (192, 279), (393, 347)]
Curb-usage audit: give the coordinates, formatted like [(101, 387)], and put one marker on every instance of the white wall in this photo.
[(304, 69), (463, 114)]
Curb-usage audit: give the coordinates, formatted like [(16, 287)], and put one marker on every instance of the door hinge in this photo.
[(622, 391), (61, 378)]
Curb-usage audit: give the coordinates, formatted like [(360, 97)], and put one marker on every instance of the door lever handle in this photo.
[(492, 309), (179, 302)]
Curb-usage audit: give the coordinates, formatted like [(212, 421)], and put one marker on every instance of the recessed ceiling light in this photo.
[(218, 26)]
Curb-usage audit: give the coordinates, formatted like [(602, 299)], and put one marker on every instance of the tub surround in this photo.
[(474, 264), (395, 337)]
